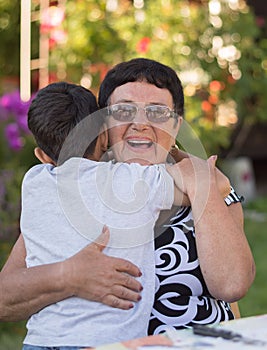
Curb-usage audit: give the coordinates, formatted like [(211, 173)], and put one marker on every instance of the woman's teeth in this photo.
[(140, 143)]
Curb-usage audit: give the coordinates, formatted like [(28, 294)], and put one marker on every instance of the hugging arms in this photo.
[(217, 233)]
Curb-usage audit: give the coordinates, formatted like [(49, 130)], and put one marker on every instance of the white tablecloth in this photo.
[(251, 327)]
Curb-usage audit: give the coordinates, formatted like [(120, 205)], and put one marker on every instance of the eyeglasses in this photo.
[(126, 112)]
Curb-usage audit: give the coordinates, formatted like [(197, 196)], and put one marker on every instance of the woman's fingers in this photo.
[(121, 297), (102, 240), (93, 275)]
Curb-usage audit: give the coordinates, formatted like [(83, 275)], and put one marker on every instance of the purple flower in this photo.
[(3, 113), (12, 103), (18, 107), (2, 191), (14, 111), (22, 121), (13, 136), (5, 101)]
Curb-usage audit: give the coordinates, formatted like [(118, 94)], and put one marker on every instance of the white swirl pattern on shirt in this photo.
[(182, 298)]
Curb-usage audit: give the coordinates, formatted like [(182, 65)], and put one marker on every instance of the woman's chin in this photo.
[(148, 156), (140, 161)]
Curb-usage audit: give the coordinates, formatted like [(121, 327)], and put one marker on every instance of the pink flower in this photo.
[(52, 17), (59, 36), (143, 45)]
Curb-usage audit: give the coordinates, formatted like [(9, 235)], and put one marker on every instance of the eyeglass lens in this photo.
[(127, 112)]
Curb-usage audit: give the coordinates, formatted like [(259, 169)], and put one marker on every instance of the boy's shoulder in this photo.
[(37, 169), (110, 163)]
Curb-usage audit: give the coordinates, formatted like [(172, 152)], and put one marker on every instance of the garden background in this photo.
[(217, 47)]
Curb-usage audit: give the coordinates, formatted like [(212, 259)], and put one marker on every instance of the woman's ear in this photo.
[(42, 156), (103, 138), (101, 145), (179, 124)]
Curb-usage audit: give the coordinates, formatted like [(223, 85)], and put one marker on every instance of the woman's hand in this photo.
[(95, 276), (222, 180), (194, 176), (89, 274)]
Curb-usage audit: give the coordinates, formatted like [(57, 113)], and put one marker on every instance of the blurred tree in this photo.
[(216, 48), (10, 40), (9, 37), (206, 42)]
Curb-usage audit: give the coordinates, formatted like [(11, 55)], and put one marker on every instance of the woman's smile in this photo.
[(139, 143)]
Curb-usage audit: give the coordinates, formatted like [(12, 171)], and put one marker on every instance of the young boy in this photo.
[(66, 202)]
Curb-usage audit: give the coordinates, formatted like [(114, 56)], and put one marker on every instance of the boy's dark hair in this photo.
[(55, 111), (142, 69)]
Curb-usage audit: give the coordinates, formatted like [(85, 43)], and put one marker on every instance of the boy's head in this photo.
[(55, 111), (142, 69)]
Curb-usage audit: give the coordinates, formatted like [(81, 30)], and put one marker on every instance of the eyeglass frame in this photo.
[(172, 113)]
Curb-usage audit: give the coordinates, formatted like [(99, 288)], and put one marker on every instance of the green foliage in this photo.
[(10, 184), (183, 34), (186, 37), (10, 341), (255, 303), (9, 37)]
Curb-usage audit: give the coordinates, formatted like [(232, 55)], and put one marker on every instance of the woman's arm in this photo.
[(89, 274), (224, 255), (25, 291), (228, 268)]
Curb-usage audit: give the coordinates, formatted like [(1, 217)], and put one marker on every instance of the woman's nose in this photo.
[(140, 120)]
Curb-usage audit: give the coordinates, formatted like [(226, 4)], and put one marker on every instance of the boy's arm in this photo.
[(89, 274)]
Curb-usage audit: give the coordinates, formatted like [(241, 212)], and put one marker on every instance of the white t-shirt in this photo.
[(64, 209)]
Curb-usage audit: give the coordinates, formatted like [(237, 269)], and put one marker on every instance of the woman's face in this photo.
[(141, 140)]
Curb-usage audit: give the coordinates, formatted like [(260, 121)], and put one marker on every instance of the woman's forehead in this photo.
[(141, 92)]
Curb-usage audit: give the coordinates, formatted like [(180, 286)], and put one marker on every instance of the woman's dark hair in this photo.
[(55, 111), (142, 69)]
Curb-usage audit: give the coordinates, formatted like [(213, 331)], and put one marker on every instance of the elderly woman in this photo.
[(194, 256)]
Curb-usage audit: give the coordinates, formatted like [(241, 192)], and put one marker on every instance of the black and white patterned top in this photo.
[(182, 297)]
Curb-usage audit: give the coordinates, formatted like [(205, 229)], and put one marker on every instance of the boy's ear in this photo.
[(42, 156)]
